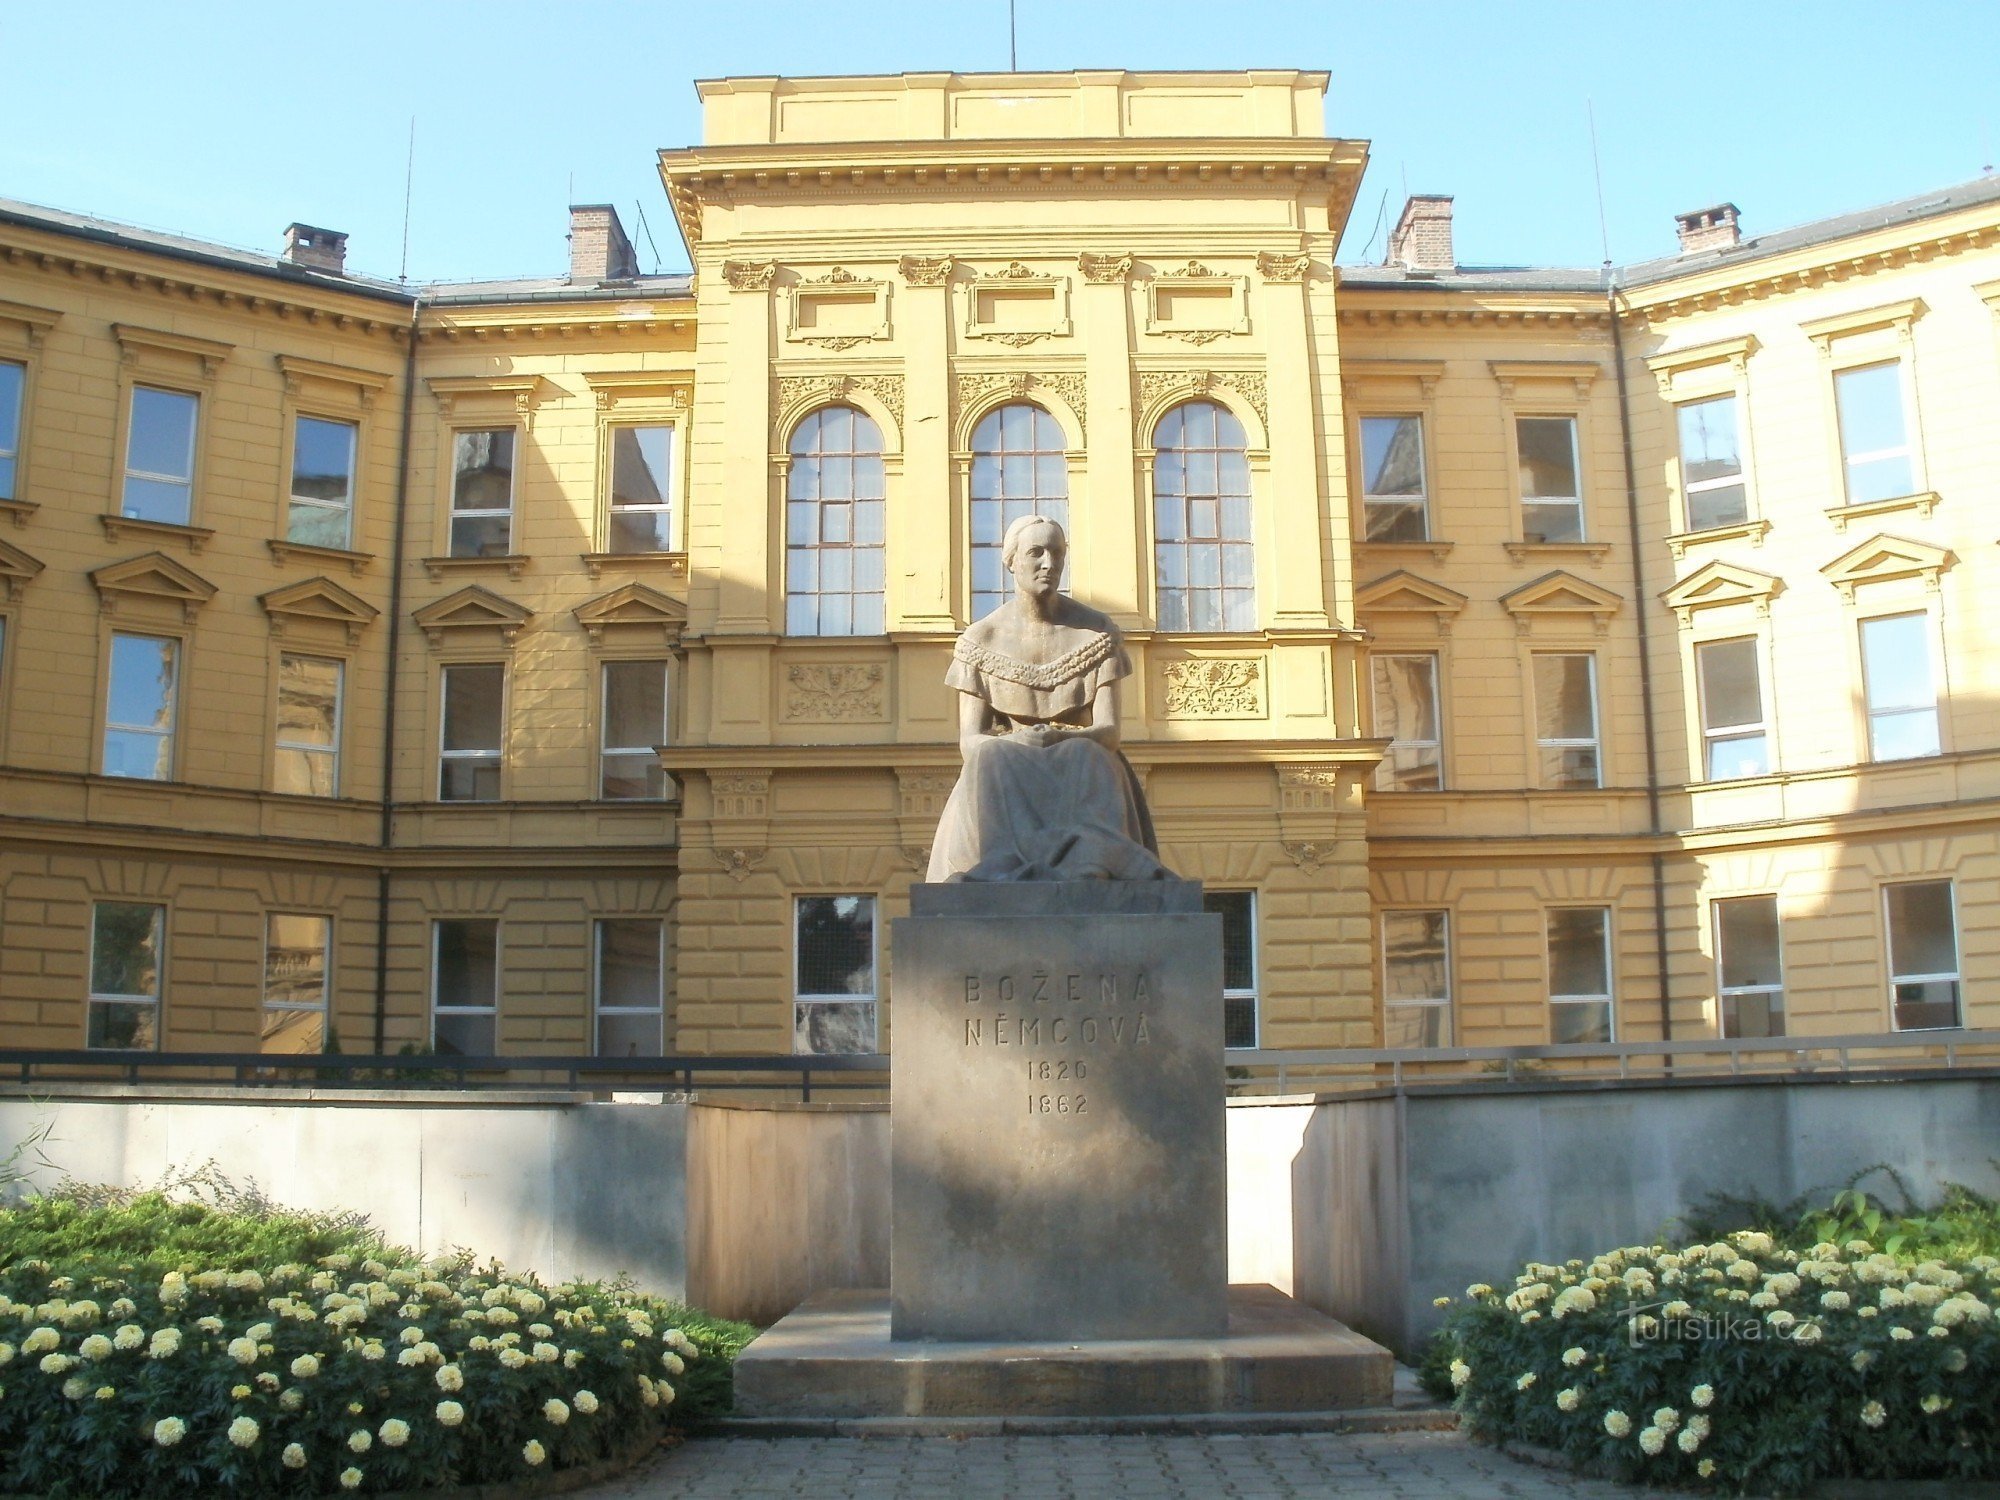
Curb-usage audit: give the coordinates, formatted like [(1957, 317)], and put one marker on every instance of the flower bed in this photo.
[(347, 1373), (1740, 1364)]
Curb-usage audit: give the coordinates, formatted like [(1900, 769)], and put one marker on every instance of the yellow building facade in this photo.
[(556, 667)]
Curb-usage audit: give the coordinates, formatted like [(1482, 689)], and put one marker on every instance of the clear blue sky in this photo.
[(227, 120)]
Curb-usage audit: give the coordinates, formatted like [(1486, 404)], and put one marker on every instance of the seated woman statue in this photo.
[(1045, 793)]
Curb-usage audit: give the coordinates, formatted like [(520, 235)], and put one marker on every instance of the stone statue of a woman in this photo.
[(1045, 793)]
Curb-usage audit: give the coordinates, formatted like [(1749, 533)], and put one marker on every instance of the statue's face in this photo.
[(1038, 560)]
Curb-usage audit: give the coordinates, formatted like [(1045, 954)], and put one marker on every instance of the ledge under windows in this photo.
[(117, 527), (23, 511), (1594, 551), (673, 564), (1438, 551), (1752, 532), (284, 552), (1923, 503), (514, 564)]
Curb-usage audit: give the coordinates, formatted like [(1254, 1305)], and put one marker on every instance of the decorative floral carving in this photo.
[(834, 692), (1157, 385), (1194, 268), (917, 857), (1309, 857), (1308, 789), (1018, 272), (1215, 689), (1196, 335), (737, 864), (838, 276), (1068, 384), (1017, 340), (1283, 267), (926, 270), (1104, 270), (796, 390), (741, 794), (749, 275), (922, 793)]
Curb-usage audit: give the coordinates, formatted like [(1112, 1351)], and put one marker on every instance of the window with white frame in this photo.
[(1395, 504), (309, 701), (833, 974), (1406, 714), (1416, 978), (159, 456), (1923, 955), (635, 722), (472, 725), (465, 986), (1566, 730), (1898, 687), (1580, 1008), (836, 508), (1551, 479), (1749, 967), (1019, 468), (139, 706), (1874, 432), (13, 381), (297, 949), (1202, 548), (482, 492), (321, 509), (1736, 739), (1712, 485), (631, 986), (128, 942), (642, 488), (1238, 910)]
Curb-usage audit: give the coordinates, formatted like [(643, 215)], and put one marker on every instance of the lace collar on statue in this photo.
[(1041, 676)]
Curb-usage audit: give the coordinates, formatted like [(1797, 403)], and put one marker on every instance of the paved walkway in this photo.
[(1402, 1465)]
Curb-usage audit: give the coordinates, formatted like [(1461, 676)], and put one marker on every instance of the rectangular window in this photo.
[(321, 513), (635, 720), (13, 380), (1896, 680), (482, 493), (1416, 978), (1923, 955), (1580, 974), (1551, 489), (1566, 720), (1749, 967), (1392, 479), (1874, 435), (474, 717), (642, 470), (128, 942), (296, 949), (139, 707), (465, 986), (1406, 714), (631, 986), (833, 1006), (308, 759), (1712, 464), (1735, 740), (1238, 910), (159, 456)]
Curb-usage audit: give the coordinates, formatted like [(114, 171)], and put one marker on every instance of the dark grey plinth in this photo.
[(833, 1357), (1057, 1103)]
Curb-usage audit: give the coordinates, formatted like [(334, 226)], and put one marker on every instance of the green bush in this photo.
[(1741, 1363), (153, 1348)]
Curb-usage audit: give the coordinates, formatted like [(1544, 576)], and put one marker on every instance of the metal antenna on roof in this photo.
[(409, 180), (647, 230), (1013, 64), (1597, 170), (1381, 213)]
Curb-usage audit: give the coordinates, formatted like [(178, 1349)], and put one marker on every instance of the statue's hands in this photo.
[(1041, 736)]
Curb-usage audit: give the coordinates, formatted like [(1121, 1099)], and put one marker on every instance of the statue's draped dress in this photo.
[(1068, 811)]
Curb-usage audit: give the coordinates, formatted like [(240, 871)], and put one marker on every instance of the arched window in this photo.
[(1201, 520), (833, 526), (1018, 469)]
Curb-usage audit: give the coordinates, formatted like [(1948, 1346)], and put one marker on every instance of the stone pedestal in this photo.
[(1057, 1114)]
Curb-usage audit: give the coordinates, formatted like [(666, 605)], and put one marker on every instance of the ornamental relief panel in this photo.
[(1214, 688), (796, 392), (834, 693), (1157, 386), (1068, 385)]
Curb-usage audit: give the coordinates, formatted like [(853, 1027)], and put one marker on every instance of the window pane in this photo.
[(125, 943), (1547, 448), (1724, 505), (641, 531), (1754, 1014), (483, 470), (1896, 663), (314, 525), (836, 945), (1239, 957), (464, 1035), (142, 682), (1392, 456), (1578, 962), (472, 706), (1397, 521), (295, 949), (1871, 410), (641, 465), (1580, 1024), (834, 525), (1406, 713), (635, 704), (1746, 942), (288, 1031), (1201, 491), (468, 961), (1923, 938), (625, 1034), (308, 700), (162, 442), (1545, 522), (481, 536), (1730, 692), (1564, 703), (13, 377), (833, 1027), (323, 460), (1414, 959), (628, 964), (123, 1026), (1416, 1026), (1709, 447)]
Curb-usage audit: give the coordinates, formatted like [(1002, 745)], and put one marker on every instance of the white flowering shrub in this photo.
[(311, 1379), (1740, 1364)]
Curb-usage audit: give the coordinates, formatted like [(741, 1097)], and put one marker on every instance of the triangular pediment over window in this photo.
[(153, 578), (1715, 584), (472, 608), (634, 605), (1561, 598), (1883, 558), (17, 570), (318, 601), (1405, 593)]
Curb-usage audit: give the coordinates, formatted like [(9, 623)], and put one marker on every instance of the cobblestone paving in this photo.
[(1401, 1465)]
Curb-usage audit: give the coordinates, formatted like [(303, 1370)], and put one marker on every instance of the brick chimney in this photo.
[(1708, 228), (1421, 240), (316, 249), (598, 249)]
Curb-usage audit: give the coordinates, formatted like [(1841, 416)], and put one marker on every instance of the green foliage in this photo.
[(1434, 1365), (1962, 1225), (24, 1158)]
